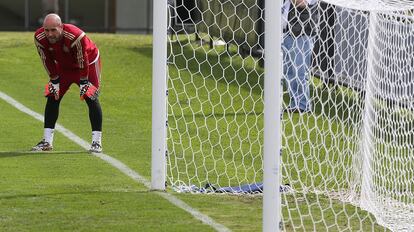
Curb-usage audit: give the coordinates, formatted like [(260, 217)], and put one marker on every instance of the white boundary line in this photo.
[(119, 165)]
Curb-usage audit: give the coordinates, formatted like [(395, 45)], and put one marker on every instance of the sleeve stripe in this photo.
[(38, 44), (98, 71), (43, 57), (41, 36), (77, 40), (41, 54), (68, 35), (96, 59), (80, 54)]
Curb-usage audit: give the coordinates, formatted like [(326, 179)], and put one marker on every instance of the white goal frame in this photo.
[(272, 99)]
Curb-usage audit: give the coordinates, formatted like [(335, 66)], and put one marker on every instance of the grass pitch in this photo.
[(69, 190)]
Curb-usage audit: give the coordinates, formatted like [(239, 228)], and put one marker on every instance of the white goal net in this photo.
[(347, 160)]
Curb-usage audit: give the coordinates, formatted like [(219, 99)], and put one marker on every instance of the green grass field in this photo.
[(70, 190)]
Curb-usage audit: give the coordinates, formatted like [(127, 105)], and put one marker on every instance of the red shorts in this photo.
[(68, 77)]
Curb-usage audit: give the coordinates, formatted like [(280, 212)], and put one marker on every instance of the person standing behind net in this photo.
[(68, 56), (299, 29)]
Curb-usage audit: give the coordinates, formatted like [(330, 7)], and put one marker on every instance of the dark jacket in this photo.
[(301, 21)]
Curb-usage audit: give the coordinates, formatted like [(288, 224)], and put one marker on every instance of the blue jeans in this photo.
[(297, 53)]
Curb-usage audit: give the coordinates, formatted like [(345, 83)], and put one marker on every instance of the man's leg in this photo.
[(290, 70), (303, 72), (95, 114), (51, 112), (95, 111), (95, 117), (303, 47), (51, 116)]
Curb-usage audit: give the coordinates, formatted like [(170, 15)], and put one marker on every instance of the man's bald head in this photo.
[(53, 27), (52, 19)]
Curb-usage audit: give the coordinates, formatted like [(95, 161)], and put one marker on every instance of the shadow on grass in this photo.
[(218, 115), (5, 154), (7, 197), (143, 50)]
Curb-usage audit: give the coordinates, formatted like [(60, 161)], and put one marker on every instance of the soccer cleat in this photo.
[(42, 146), (96, 147)]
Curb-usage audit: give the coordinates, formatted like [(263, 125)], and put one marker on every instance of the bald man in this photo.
[(68, 57)]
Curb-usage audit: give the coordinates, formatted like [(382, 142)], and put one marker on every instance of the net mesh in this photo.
[(347, 156)]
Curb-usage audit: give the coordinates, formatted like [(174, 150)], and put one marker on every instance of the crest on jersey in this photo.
[(65, 49)]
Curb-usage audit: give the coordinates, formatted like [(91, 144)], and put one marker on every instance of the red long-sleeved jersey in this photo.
[(75, 51)]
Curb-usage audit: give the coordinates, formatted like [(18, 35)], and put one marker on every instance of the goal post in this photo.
[(272, 142), (315, 104), (159, 96)]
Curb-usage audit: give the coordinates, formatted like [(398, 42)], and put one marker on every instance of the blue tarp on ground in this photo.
[(246, 189), (253, 188)]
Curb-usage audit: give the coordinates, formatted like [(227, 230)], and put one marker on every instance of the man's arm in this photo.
[(80, 45), (52, 87), (87, 90), (48, 63)]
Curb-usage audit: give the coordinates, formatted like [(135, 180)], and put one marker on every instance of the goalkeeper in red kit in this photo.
[(68, 56)]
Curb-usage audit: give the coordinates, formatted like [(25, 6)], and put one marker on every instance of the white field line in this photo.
[(119, 165)]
